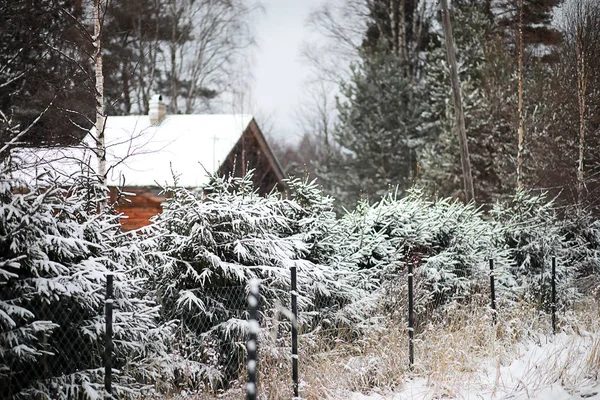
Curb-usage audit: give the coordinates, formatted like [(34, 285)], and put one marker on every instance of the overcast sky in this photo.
[(278, 70)]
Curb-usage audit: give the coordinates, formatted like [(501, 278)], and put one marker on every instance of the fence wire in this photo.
[(65, 352), (209, 348)]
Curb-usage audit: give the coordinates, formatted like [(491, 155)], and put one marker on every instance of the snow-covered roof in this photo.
[(145, 154)]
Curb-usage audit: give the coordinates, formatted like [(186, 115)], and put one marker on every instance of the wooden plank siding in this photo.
[(139, 208), (253, 152)]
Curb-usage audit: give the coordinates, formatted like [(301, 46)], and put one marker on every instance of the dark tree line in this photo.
[(44, 71), (191, 51)]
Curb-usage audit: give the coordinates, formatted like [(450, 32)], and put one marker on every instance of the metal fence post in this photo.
[(252, 345), (493, 291), (294, 330), (108, 348), (553, 305), (411, 318)]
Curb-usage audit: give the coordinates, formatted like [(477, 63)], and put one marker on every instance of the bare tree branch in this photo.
[(22, 133)]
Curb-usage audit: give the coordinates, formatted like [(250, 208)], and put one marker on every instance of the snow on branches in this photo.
[(56, 251)]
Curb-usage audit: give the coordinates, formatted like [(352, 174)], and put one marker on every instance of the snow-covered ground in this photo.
[(547, 367)]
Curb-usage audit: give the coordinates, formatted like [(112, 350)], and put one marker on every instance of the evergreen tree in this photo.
[(44, 72), (540, 37), (133, 34), (533, 235), (400, 27), (380, 129), (487, 80), (56, 252), (447, 243), (207, 247), (582, 232)]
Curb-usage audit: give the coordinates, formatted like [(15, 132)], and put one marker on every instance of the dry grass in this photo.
[(449, 349)]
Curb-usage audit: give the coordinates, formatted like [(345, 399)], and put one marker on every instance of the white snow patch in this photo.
[(546, 368)]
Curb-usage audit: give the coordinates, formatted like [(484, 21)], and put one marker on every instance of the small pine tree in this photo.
[(207, 246), (56, 251), (380, 129), (582, 233), (447, 243), (532, 235), (339, 291)]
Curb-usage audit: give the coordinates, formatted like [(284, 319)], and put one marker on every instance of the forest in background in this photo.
[(180, 284), (381, 113), (388, 119), (194, 52)]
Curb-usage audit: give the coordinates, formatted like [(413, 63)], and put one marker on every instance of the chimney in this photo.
[(157, 110)]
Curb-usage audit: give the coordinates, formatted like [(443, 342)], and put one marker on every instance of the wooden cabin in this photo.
[(147, 152)]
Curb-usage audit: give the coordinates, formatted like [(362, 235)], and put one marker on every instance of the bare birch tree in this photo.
[(581, 59), (99, 12), (521, 133), (582, 37), (209, 46), (337, 31)]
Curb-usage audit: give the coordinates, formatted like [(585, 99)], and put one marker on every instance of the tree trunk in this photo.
[(396, 26), (126, 89), (521, 117), (173, 50), (100, 112), (581, 97), (458, 110)]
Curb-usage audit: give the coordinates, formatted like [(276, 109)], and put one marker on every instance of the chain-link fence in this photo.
[(65, 352), (286, 364), (209, 349)]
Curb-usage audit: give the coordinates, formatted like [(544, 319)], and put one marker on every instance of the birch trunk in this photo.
[(581, 97), (173, 54), (521, 138), (458, 109), (100, 112)]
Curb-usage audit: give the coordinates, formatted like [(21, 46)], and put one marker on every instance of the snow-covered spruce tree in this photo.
[(582, 233), (340, 291), (532, 234), (448, 243), (487, 85), (206, 246), (462, 242), (55, 253), (380, 129), (312, 218)]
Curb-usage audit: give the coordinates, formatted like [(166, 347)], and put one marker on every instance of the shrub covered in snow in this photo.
[(340, 294), (582, 258), (532, 234), (201, 252), (56, 250), (207, 246), (448, 243)]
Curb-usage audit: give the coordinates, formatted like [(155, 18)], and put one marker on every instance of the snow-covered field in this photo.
[(547, 367), (463, 356)]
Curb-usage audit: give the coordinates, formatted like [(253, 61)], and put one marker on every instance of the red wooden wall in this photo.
[(140, 208)]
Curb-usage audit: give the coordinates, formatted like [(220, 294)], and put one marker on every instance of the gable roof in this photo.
[(144, 154)]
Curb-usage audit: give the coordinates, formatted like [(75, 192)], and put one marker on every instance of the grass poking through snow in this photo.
[(459, 353)]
